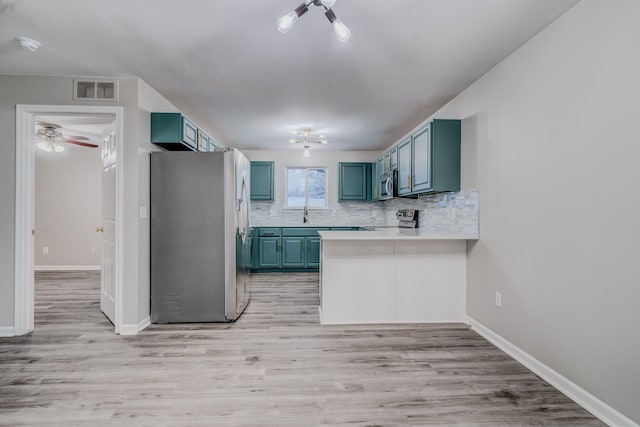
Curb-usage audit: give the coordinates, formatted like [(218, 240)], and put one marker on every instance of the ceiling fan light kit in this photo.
[(49, 146), (285, 23)]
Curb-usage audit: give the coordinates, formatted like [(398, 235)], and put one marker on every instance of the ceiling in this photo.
[(224, 64)]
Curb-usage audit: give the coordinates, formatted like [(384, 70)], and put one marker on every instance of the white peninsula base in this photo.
[(386, 280)]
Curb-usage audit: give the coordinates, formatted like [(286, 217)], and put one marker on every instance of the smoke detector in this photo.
[(29, 44)]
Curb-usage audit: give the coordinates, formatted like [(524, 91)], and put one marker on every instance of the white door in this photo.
[(108, 228)]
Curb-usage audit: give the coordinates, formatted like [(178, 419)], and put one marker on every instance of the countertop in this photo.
[(393, 233)]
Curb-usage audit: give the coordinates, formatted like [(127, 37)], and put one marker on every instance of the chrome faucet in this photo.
[(305, 215)]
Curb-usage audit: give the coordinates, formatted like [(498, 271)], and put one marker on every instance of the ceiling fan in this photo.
[(52, 136)]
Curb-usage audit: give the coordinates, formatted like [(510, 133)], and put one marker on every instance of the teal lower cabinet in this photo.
[(293, 252), (313, 252), (269, 252), (284, 249)]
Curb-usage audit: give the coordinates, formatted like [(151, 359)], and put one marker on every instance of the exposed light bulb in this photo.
[(342, 32), (45, 146), (306, 153), (328, 3), (287, 22)]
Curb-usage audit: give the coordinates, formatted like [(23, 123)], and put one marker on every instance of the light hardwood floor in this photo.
[(277, 366)]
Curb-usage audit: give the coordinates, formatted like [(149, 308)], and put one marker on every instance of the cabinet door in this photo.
[(404, 167), (313, 252), (354, 181), (394, 159), (189, 133), (379, 172), (293, 254), (262, 181), (421, 179), (269, 256), (203, 141), (387, 162)]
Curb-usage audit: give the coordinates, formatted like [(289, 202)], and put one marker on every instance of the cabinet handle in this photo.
[(269, 192), (277, 245), (410, 186)]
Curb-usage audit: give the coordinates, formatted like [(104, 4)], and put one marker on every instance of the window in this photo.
[(306, 187)]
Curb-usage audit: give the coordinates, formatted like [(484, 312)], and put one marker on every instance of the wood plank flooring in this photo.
[(276, 366)]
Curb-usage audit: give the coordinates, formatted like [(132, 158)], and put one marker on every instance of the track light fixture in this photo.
[(287, 22)]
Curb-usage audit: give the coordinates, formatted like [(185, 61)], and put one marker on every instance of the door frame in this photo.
[(25, 208)]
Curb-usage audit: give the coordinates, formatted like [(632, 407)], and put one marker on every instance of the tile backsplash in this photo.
[(439, 213)]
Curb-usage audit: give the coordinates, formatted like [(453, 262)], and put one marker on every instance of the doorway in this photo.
[(29, 119)]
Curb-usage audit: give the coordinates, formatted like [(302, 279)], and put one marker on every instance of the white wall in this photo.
[(550, 137), (68, 207), (55, 90), (149, 101)]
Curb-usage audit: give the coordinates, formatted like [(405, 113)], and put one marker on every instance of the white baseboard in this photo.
[(7, 331), (67, 268), (582, 397), (129, 329)]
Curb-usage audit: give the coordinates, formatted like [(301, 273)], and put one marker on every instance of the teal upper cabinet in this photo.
[(421, 166), (173, 131), (394, 158), (429, 161), (446, 138), (262, 181), (404, 167), (354, 181), (203, 141), (213, 144), (378, 167)]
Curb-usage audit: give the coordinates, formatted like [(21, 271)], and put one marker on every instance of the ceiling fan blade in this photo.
[(84, 144), (76, 137)]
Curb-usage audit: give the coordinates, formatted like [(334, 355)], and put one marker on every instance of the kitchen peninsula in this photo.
[(392, 275)]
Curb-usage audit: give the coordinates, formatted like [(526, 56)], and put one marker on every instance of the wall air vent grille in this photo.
[(97, 90)]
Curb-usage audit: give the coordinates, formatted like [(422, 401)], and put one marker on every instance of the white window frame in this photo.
[(306, 185)]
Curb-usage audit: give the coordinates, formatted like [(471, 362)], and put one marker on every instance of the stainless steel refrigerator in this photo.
[(200, 243)]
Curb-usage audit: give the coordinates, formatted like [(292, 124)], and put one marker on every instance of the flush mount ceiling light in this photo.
[(306, 137), (287, 22), (29, 44)]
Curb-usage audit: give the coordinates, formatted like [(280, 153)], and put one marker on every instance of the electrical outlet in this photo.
[(498, 299), (93, 249), (335, 212), (374, 213), (45, 250)]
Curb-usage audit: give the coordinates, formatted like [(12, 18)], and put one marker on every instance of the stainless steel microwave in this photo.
[(389, 185)]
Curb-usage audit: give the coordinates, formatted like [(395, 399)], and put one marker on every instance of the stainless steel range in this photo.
[(407, 218)]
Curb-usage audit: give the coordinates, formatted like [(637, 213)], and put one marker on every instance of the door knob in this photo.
[(99, 229)]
